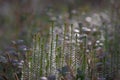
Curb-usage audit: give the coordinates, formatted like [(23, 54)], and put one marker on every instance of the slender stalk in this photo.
[(71, 36), (51, 47)]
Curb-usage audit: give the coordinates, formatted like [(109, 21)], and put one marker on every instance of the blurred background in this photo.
[(19, 19)]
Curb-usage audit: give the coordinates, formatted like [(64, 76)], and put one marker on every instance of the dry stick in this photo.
[(16, 77), (70, 69), (3, 76), (8, 57)]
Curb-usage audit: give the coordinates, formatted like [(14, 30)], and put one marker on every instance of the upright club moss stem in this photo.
[(76, 43), (51, 47), (41, 58), (106, 47), (56, 53), (71, 52), (63, 45)]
